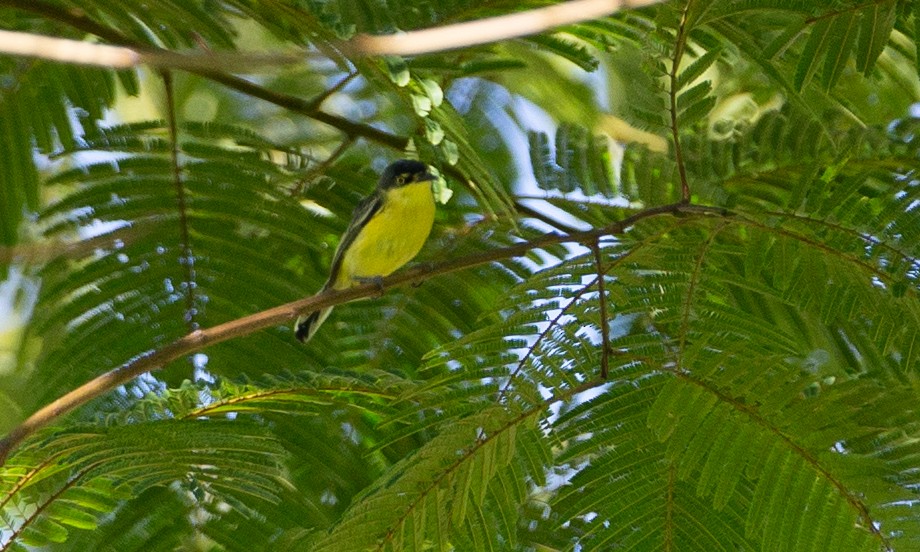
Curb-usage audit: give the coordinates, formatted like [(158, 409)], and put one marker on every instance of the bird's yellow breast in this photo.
[(392, 237)]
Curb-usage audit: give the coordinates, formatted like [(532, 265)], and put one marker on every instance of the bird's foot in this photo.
[(376, 280)]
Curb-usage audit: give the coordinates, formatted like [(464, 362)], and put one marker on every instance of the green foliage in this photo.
[(69, 479), (750, 290), (581, 162)]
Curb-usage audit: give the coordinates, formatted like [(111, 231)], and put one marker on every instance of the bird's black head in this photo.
[(402, 172)]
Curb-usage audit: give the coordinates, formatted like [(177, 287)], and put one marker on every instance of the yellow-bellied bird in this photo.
[(387, 229)]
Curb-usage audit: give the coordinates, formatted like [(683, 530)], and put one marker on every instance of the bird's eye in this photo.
[(401, 179)]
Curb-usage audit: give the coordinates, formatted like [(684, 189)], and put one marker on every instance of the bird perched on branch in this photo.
[(387, 229)]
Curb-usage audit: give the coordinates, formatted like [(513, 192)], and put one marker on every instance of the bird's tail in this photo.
[(306, 326)]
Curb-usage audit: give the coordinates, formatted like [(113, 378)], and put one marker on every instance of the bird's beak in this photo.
[(425, 177)]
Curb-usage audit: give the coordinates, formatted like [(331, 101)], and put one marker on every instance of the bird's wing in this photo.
[(363, 212)]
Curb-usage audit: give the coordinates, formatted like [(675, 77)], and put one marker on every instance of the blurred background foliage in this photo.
[(761, 355)]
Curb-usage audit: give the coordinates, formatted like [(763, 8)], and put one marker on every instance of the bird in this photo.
[(387, 230)]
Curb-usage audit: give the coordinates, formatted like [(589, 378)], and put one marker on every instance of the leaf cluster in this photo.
[(732, 368)]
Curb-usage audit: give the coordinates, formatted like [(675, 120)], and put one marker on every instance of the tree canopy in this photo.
[(673, 303)]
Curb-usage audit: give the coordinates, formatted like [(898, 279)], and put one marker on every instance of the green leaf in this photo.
[(876, 26)]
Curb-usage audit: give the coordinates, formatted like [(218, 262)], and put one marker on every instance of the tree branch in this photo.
[(197, 340), (492, 29), (424, 41), (680, 42), (81, 52)]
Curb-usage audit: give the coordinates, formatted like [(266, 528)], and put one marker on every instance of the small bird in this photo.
[(387, 229)]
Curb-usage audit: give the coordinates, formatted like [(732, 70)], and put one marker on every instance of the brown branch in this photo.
[(436, 39), (492, 29), (555, 321), (197, 340), (305, 107), (680, 42)]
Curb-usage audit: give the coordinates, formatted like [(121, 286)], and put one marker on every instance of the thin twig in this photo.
[(680, 42), (476, 446), (555, 321), (200, 339), (304, 107), (46, 503), (668, 544), (186, 257), (550, 326), (321, 167), (695, 278), (316, 102)]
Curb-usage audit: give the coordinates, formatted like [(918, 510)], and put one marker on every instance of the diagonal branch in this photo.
[(306, 107), (680, 43), (424, 41), (492, 29), (26, 479), (199, 339)]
